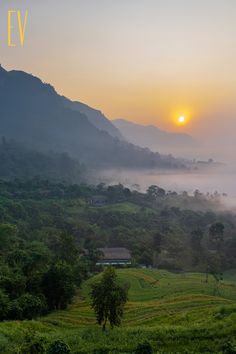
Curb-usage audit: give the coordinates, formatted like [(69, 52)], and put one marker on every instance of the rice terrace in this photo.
[(176, 313)]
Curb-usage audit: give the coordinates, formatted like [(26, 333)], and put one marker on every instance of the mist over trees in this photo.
[(46, 226)]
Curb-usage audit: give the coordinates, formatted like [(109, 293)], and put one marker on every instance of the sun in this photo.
[(181, 120), (181, 117)]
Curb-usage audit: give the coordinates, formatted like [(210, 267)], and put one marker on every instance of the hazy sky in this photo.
[(145, 60)]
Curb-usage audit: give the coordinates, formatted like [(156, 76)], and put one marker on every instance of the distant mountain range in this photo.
[(31, 112), (152, 137)]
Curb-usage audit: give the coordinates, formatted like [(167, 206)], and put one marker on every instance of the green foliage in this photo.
[(58, 347), (37, 244), (32, 344), (7, 237), (4, 305), (108, 299), (229, 348), (144, 348), (12, 282), (155, 192), (216, 231), (59, 285), (101, 351), (175, 312), (50, 232), (27, 306), (19, 161)]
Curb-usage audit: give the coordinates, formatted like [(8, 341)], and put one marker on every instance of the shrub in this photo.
[(58, 347), (144, 348), (32, 344), (101, 351), (36, 347), (27, 307), (225, 312), (4, 306), (229, 348)]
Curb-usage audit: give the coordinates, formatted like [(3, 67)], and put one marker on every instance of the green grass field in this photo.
[(174, 312)]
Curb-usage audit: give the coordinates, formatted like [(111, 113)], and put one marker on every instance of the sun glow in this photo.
[(181, 120)]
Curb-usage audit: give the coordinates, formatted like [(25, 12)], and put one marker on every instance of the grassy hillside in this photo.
[(174, 312)]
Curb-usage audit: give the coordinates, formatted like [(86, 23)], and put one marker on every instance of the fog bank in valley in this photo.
[(219, 179)]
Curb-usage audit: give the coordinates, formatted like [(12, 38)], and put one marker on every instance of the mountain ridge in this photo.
[(33, 112), (95, 116), (152, 136)]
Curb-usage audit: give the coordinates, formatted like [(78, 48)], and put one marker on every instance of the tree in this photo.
[(215, 262), (26, 306), (195, 242), (108, 299), (144, 348), (33, 344), (216, 233), (59, 286), (58, 347), (66, 249), (155, 192), (4, 305), (214, 267), (7, 237), (229, 348)]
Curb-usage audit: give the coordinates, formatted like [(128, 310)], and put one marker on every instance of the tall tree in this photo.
[(59, 286), (195, 242), (108, 299), (216, 257), (216, 233)]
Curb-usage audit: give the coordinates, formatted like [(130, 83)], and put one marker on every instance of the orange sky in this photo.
[(144, 60)]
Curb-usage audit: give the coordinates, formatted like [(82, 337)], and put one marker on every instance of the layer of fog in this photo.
[(213, 136), (218, 179), (206, 182), (217, 143)]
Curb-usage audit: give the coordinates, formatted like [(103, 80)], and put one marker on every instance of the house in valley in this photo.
[(98, 201), (116, 256)]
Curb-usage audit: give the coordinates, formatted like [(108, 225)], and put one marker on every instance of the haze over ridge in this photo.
[(146, 62)]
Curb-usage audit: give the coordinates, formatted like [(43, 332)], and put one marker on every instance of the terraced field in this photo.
[(175, 312), (155, 297)]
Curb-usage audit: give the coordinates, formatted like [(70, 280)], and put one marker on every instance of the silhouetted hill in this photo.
[(95, 116), (152, 137), (33, 113)]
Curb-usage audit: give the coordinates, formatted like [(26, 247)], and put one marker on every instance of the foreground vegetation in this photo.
[(49, 236), (176, 313)]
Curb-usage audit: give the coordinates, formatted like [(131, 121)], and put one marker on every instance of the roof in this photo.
[(99, 198), (115, 253)]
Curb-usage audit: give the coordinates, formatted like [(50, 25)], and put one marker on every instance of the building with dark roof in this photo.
[(98, 200), (114, 256)]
